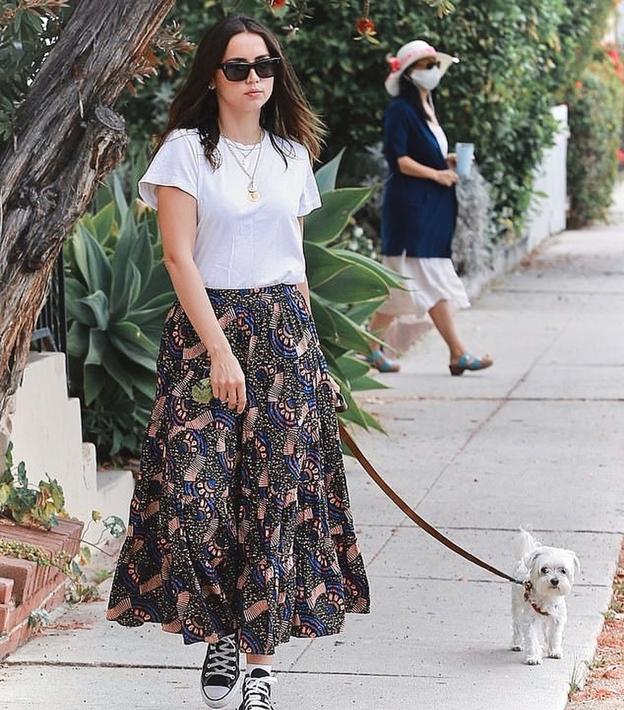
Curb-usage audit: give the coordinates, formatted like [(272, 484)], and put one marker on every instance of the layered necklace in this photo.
[(241, 155)]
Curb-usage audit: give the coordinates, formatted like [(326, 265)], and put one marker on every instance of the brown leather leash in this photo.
[(412, 514)]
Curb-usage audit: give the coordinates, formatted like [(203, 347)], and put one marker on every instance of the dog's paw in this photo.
[(516, 648), (533, 661), (555, 653)]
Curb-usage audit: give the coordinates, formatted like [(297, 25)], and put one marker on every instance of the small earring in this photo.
[(211, 87)]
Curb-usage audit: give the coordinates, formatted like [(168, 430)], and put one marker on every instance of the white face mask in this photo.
[(426, 78)]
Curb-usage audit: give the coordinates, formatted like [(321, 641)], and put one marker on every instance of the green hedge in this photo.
[(596, 113), (517, 55)]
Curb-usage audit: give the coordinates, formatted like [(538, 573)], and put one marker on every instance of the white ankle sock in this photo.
[(251, 667)]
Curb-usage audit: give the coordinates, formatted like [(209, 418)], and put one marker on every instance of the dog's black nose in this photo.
[(554, 581)]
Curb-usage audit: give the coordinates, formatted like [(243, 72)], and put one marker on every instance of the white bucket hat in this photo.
[(407, 55)]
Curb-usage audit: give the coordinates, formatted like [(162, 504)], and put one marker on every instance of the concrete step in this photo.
[(114, 491)]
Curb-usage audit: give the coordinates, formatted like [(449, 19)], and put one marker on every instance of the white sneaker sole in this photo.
[(228, 697)]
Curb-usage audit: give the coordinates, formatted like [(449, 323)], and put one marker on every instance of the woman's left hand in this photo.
[(335, 386), (340, 403), (451, 159)]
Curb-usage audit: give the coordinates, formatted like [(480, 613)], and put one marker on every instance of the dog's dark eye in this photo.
[(544, 570), (563, 570)]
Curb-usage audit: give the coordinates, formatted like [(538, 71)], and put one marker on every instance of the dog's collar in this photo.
[(528, 588)]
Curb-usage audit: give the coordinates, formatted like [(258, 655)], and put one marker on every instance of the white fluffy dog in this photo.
[(538, 607)]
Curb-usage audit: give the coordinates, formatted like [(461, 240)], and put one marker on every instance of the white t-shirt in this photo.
[(440, 135), (239, 244)]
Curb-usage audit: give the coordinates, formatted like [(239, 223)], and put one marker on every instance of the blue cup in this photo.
[(465, 156)]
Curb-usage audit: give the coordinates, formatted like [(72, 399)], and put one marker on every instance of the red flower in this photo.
[(395, 63), (365, 27), (276, 4)]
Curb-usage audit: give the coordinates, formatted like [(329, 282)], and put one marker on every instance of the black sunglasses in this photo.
[(239, 71), (429, 65)]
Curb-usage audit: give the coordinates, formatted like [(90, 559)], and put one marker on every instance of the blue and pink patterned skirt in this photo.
[(241, 522)]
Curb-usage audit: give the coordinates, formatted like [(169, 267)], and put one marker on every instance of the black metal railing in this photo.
[(51, 329)]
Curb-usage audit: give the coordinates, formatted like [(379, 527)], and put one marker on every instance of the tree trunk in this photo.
[(68, 137)]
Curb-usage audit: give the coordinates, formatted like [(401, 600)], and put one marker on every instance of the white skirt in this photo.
[(428, 280)]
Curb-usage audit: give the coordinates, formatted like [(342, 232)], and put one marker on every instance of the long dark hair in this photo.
[(287, 113), (411, 93)]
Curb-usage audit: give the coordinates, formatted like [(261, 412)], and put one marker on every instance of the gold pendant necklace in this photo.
[(253, 194)]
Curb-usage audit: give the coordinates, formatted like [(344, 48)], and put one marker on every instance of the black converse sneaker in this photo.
[(257, 691), (221, 676)]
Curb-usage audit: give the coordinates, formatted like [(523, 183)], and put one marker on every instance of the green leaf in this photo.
[(76, 310), (361, 312), (98, 303), (322, 264), (132, 342), (159, 283), (120, 198), (5, 492), (103, 222), (78, 340), (75, 568), (343, 331), (115, 525), (322, 318), (126, 288), (352, 367), (114, 366), (326, 175), (22, 478), (145, 382), (94, 379), (354, 412), (153, 311), (98, 342), (353, 285), (202, 391), (327, 223), (136, 247), (56, 493), (372, 422), (91, 260), (367, 383), (390, 277)]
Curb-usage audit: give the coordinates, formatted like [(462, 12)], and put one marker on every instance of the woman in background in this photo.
[(420, 207)]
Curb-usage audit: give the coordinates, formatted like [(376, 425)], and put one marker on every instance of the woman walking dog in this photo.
[(240, 532)]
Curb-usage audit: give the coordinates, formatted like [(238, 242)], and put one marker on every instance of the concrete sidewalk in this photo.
[(536, 440)]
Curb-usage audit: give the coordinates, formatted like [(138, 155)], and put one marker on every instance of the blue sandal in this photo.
[(469, 362), (379, 360)]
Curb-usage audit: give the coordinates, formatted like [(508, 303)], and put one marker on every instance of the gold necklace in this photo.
[(253, 194)]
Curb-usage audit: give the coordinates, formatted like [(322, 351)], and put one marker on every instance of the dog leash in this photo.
[(412, 514)]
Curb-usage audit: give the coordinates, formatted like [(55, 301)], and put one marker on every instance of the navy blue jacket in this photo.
[(418, 215)]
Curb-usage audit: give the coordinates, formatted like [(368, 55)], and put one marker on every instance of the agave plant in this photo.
[(345, 289), (117, 293)]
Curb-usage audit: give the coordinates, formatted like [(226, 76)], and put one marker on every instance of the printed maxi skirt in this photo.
[(241, 522)]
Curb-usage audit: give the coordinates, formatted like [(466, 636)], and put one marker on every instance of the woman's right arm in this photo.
[(177, 219), (411, 167)]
